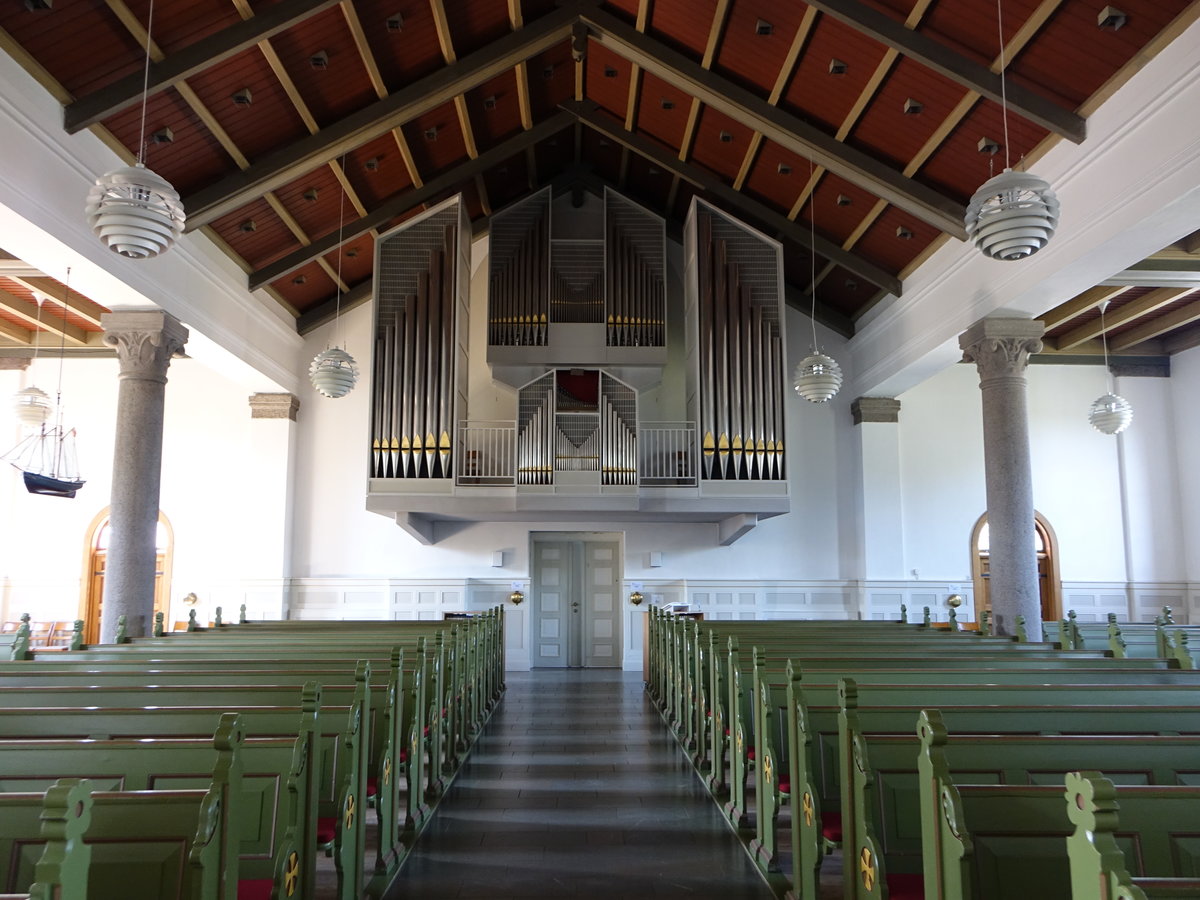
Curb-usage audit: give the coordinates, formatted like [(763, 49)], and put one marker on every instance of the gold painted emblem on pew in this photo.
[(349, 811), (387, 771), (806, 804), (767, 770), (291, 875), (866, 865)]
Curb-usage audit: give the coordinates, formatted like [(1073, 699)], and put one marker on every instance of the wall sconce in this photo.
[(954, 601), (516, 597), (191, 599), (636, 598)]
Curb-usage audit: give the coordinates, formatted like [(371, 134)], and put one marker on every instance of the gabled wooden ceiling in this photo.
[(298, 130)]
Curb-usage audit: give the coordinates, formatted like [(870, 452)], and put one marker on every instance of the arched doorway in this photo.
[(1046, 546), (96, 561)]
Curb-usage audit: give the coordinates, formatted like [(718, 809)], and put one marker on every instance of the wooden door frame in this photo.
[(1053, 578), (582, 537), (162, 590)]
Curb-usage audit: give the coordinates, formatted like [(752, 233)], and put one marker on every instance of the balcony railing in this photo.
[(667, 454), (487, 453)]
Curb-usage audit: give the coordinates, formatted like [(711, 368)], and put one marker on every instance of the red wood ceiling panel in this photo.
[(18, 290), (82, 45), (607, 79), (357, 259), (777, 176), (603, 154), (959, 168), (343, 86), (1176, 304), (824, 98), (508, 181), (407, 49), (269, 121), (887, 248), (476, 23), (377, 170), (887, 131), (648, 183), (192, 159), (551, 80), (720, 143), (13, 319), (756, 59), (843, 291), (1072, 56), (838, 206), (53, 306), (624, 9), (553, 155), (317, 216), (306, 287), (495, 110), (970, 28), (436, 140), (268, 241), (683, 24), (1093, 315), (662, 111), (183, 22)]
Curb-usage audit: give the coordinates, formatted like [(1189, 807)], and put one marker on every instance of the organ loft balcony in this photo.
[(610, 375)]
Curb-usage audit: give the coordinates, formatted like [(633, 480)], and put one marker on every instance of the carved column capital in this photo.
[(1000, 348), (145, 341)]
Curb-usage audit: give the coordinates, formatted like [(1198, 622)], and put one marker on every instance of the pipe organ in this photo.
[(585, 281), (577, 421), (419, 367), (735, 303), (599, 421)]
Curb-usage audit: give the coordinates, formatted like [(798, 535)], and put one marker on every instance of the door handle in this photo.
[(574, 606)]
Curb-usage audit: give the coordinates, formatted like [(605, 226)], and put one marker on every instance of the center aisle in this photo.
[(576, 789)]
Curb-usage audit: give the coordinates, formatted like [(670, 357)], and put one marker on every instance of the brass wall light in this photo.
[(636, 598), (516, 597)]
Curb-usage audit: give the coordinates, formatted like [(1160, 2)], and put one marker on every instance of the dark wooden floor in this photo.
[(576, 789)]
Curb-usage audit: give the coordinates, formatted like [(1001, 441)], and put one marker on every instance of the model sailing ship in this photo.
[(48, 462)]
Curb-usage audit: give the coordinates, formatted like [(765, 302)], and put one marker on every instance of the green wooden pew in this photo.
[(57, 820), (335, 772), (888, 783), (164, 843), (1165, 820)]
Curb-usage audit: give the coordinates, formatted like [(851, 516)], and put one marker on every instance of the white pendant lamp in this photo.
[(1110, 414), (333, 372), (134, 211), (33, 405), (818, 377), (1013, 215)]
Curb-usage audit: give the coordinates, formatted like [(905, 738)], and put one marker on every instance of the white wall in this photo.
[(206, 433)]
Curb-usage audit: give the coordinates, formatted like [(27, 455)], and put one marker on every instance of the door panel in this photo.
[(602, 618), (551, 576)]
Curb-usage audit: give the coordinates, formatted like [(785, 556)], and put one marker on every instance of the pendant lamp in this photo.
[(1110, 414), (32, 405), (1013, 215), (134, 211), (333, 372), (818, 377)]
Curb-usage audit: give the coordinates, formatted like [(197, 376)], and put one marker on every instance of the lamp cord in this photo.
[(1003, 87), (1104, 342), (62, 347), (812, 235), (337, 315), (145, 86)]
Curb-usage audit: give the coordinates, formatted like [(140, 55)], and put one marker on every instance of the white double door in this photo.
[(576, 600)]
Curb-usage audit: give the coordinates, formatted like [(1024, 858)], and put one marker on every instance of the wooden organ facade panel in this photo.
[(419, 387), (736, 346)]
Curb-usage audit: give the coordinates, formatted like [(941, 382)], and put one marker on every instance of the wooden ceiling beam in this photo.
[(402, 203), (785, 129), (289, 162), (1157, 327), (15, 332), (1076, 306), (734, 200), (28, 313), (79, 305), (205, 53), (958, 68), (1130, 312)]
